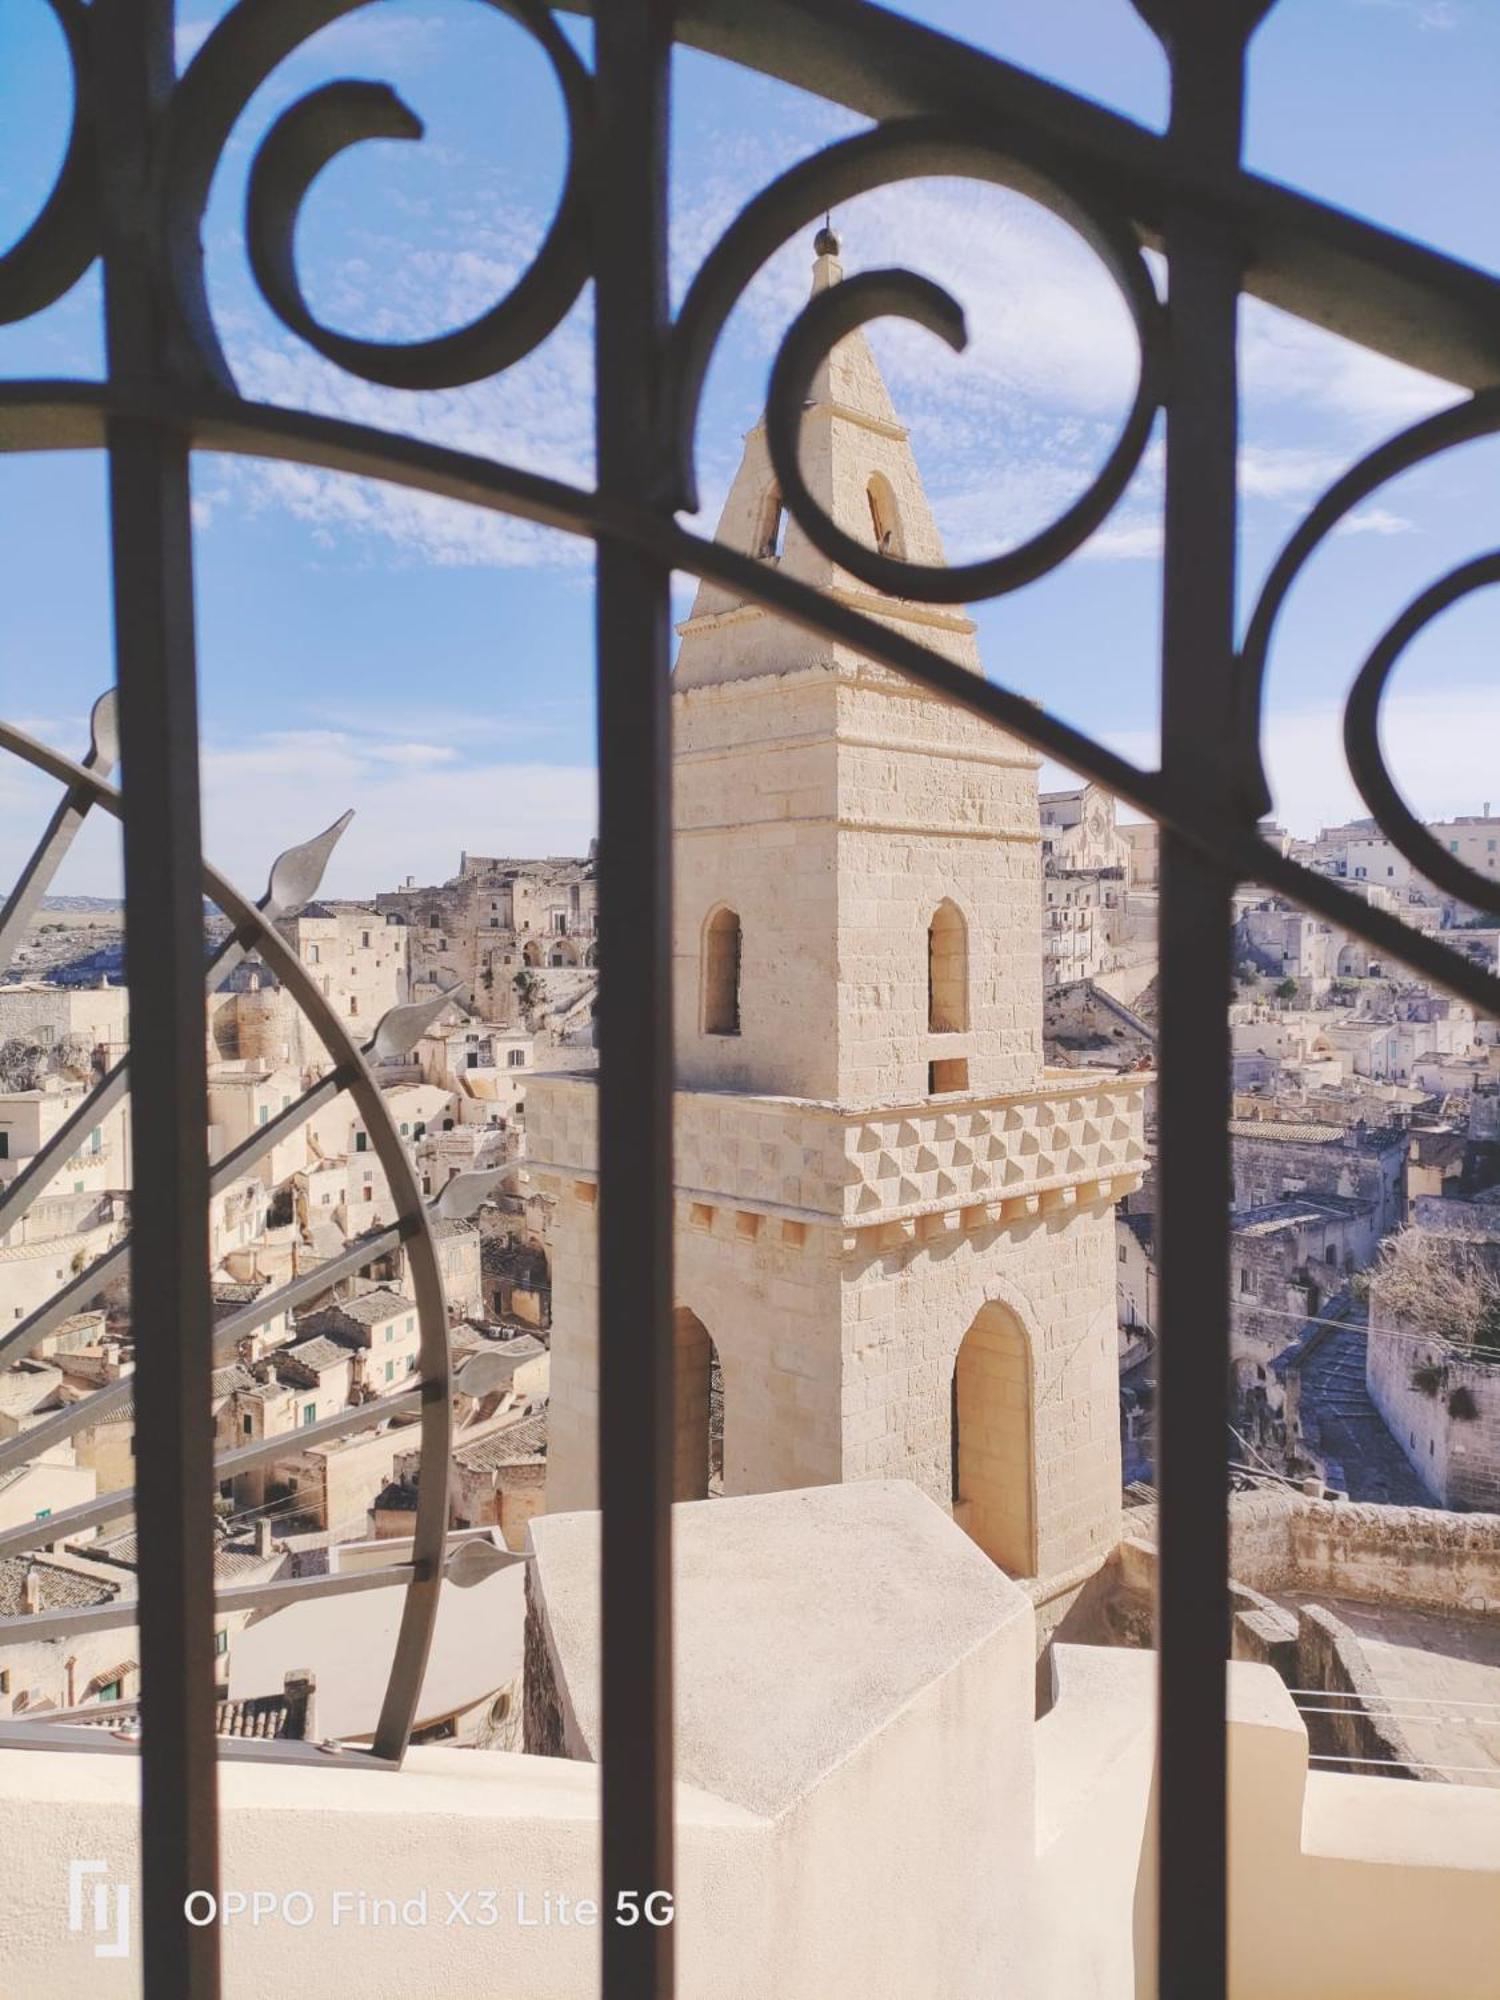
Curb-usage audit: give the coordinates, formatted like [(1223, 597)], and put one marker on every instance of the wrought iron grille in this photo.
[(132, 192)]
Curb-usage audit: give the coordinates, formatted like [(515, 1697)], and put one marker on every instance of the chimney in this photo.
[(263, 1537), (300, 1686), (31, 1590)]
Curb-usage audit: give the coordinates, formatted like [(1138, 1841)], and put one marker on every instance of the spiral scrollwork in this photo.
[(908, 149), (1367, 760), (236, 59), (63, 240)]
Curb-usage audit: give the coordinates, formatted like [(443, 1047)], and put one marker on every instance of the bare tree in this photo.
[(1439, 1284)]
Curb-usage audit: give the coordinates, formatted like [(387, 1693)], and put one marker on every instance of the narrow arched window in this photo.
[(721, 974), (884, 521), (770, 527), (947, 971)]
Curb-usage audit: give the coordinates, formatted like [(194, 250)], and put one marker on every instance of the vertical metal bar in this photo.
[(170, 1302), (633, 40), (1207, 52)]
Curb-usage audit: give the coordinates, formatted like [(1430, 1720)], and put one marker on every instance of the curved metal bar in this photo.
[(1367, 760), (70, 416), (914, 148), (63, 241), (248, 44), (419, 1612), (1476, 418), (1305, 256), (825, 320), (294, 880), (37, 876)]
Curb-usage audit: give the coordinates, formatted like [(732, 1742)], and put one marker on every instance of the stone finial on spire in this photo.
[(827, 270)]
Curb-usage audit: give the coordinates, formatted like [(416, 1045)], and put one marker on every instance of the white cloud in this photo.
[(1374, 521), (1440, 747), (1124, 541), (1285, 360), (412, 815), (416, 807), (1427, 14)]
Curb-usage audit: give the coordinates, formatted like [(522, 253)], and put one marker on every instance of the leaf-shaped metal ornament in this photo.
[(476, 1561), (466, 1192), (400, 1029), (104, 734), (296, 875)]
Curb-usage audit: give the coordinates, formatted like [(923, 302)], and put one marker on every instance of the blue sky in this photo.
[(433, 667)]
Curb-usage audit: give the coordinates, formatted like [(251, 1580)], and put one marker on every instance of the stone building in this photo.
[(895, 1227), (496, 920), (1079, 832), (1274, 1158), (357, 956), (1288, 1259), (39, 1014)]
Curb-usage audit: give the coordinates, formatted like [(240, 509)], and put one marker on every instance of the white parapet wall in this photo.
[(855, 1699), (1341, 1887), (867, 1811)]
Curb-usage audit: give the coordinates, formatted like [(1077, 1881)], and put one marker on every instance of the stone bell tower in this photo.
[(895, 1243)]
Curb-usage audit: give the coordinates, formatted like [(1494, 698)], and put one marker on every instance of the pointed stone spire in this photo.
[(862, 473)]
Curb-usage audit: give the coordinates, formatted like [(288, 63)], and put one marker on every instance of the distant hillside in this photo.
[(103, 906)]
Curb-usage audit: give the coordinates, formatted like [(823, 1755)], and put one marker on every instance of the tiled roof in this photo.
[(59, 1589), (521, 1443), (317, 1353), (1296, 1212), (1276, 1128), (370, 1308)]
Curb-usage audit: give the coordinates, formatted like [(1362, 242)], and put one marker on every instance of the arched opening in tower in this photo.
[(770, 531), (884, 520), (992, 1443), (698, 1457), (947, 971), (721, 974)]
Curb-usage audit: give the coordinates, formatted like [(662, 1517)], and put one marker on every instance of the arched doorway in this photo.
[(993, 1443), (698, 1457)]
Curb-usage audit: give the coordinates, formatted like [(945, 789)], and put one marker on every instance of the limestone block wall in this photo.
[(817, 1163), (1442, 1406), (906, 1313), (834, 809), (755, 829), (935, 806), (837, 1260)]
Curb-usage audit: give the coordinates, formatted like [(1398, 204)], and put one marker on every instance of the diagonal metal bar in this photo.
[(36, 1626), (23, 1337), (1304, 256), (120, 1505), (41, 870), (300, 868), (93, 1409), (394, 1034)]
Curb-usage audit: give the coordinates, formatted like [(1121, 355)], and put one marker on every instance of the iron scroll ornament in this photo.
[(1227, 232), (252, 40), (1053, 150)]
